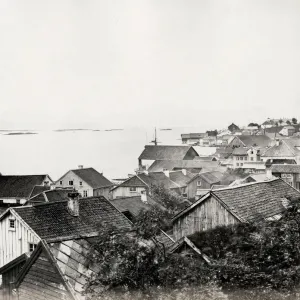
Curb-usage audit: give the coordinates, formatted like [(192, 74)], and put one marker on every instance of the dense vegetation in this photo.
[(248, 261)]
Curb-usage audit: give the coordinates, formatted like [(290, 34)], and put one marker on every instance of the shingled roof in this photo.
[(92, 177), (134, 204), (254, 140), (281, 149), (51, 196), (160, 165), (152, 152), (53, 221), (19, 186), (288, 168), (252, 201)]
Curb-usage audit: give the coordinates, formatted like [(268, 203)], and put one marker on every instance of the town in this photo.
[(48, 228)]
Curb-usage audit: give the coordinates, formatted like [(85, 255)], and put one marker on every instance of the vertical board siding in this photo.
[(15, 242), (42, 282), (207, 215)]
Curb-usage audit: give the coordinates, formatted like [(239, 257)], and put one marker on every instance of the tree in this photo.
[(133, 265), (168, 199), (294, 120), (280, 121)]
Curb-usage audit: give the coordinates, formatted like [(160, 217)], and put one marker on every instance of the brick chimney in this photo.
[(73, 204)]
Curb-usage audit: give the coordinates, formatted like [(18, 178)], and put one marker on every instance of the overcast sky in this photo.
[(112, 63)]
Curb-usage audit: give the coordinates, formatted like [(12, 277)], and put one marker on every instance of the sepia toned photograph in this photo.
[(150, 150)]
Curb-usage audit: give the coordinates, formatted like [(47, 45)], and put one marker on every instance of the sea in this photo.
[(113, 151)]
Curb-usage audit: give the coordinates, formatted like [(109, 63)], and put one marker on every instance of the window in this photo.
[(237, 158), (199, 183), (80, 182), (46, 182), (85, 194), (241, 164), (132, 189), (251, 158), (61, 182), (71, 182), (246, 158), (12, 224), (32, 247), (237, 164)]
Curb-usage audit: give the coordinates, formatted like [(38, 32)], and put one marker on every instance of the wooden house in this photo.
[(192, 166), (245, 203), (288, 172), (285, 149), (261, 141), (87, 181), (21, 228), (17, 189), (152, 153), (203, 182), (141, 183)]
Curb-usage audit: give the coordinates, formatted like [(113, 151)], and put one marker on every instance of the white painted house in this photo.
[(87, 181), (21, 228)]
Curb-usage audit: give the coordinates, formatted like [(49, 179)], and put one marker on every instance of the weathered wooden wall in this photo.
[(42, 282), (207, 215), (125, 192)]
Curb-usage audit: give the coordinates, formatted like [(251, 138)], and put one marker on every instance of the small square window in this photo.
[(12, 224), (132, 189), (61, 182), (32, 247), (80, 182), (71, 182)]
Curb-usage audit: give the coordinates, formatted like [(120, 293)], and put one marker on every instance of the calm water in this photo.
[(114, 153)]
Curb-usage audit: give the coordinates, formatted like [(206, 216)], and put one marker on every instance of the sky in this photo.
[(134, 63)]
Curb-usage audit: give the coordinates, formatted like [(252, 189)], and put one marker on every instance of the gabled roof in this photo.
[(93, 178), (19, 186), (290, 168), (193, 135), (152, 152), (280, 150), (158, 178), (134, 204), (254, 140), (160, 165), (251, 201), (51, 196), (240, 151), (39, 189), (233, 127), (179, 178), (209, 177), (52, 221)]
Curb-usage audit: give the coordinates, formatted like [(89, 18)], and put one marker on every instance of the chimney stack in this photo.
[(73, 204)]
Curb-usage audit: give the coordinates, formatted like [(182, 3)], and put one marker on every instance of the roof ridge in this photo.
[(246, 184)]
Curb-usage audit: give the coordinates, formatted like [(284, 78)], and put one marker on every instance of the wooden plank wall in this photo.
[(206, 215), (42, 282), (15, 242)]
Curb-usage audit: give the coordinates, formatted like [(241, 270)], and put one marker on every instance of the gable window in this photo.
[(80, 182), (46, 182), (199, 183), (132, 189), (32, 247), (71, 182), (61, 182), (85, 194), (12, 224)]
